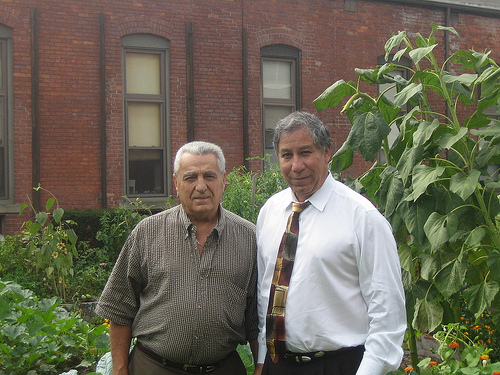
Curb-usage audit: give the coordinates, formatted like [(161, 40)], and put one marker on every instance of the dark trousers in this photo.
[(142, 364), (344, 362)]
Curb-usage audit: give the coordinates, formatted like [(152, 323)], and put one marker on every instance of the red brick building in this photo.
[(96, 96)]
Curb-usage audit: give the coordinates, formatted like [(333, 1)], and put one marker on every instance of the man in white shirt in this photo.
[(345, 311)]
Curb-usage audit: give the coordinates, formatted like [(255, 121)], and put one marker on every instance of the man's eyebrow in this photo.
[(307, 147)]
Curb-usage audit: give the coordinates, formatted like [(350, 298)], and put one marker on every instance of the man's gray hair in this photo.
[(302, 120), (201, 148)]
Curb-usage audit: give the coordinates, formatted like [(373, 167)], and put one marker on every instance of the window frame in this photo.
[(6, 92), (280, 53), (152, 45)]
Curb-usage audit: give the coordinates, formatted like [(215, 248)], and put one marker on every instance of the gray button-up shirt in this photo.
[(186, 307)]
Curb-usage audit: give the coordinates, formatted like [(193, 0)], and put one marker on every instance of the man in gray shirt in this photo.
[(185, 282)]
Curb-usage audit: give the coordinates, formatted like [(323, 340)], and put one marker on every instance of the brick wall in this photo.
[(332, 41)]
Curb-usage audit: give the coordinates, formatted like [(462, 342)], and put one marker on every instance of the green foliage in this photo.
[(433, 183), (482, 331), (88, 223), (117, 224), (247, 191), (460, 355), (38, 336), (52, 243)]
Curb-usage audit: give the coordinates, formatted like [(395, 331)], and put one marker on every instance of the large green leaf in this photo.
[(391, 190), (490, 133), (424, 132), (409, 159), (388, 110), (445, 28), (439, 228), (478, 120), (415, 215), (393, 42), (401, 98), (480, 296), (475, 237), (57, 214), (428, 315), (334, 95), (448, 139), (489, 154), (429, 266), (419, 53), (41, 218), (342, 159), (464, 186), (489, 80), (465, 79), (494, 264), (423, 176), (450, 279), (368, 131), (405, 257)]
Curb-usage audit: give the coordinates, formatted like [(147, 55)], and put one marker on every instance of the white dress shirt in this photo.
[(345, 289)]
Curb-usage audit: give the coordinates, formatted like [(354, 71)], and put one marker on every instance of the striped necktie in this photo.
[(275, 320)]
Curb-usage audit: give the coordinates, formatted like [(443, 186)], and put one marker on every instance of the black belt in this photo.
[(190, 369), (304, 358)]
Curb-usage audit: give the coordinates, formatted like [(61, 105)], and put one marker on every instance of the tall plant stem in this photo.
[(412, 342)]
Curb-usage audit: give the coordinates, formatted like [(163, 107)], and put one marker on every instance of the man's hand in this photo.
[(258, 369)]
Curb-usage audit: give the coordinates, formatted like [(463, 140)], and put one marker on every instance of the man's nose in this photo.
[(297, 163), (200, 184)]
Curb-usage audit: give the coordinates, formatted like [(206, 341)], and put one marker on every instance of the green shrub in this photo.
[(39, 335), (246, 191), (117, 224), (51, 243), (87, 223), (17, 263)]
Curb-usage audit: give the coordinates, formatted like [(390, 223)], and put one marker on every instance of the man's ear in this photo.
[(174, 179), (328, 154)]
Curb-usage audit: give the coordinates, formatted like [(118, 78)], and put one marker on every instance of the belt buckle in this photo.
[(303, 359), (192, 369)]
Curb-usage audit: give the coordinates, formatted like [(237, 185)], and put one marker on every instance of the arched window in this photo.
[(146, 107), (280, 88)]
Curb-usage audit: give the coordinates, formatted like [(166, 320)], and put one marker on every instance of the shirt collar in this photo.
[(320, 198), (187, 224)]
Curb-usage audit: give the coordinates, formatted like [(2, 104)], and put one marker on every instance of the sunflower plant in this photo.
[(437, 182)]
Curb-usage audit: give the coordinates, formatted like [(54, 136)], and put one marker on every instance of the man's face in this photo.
[(200, 185), (304, 166)]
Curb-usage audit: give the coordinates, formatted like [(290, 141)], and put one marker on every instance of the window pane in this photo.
[(143, 73), (145, 172), (272, 114), (277, 79), (144, 124)]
